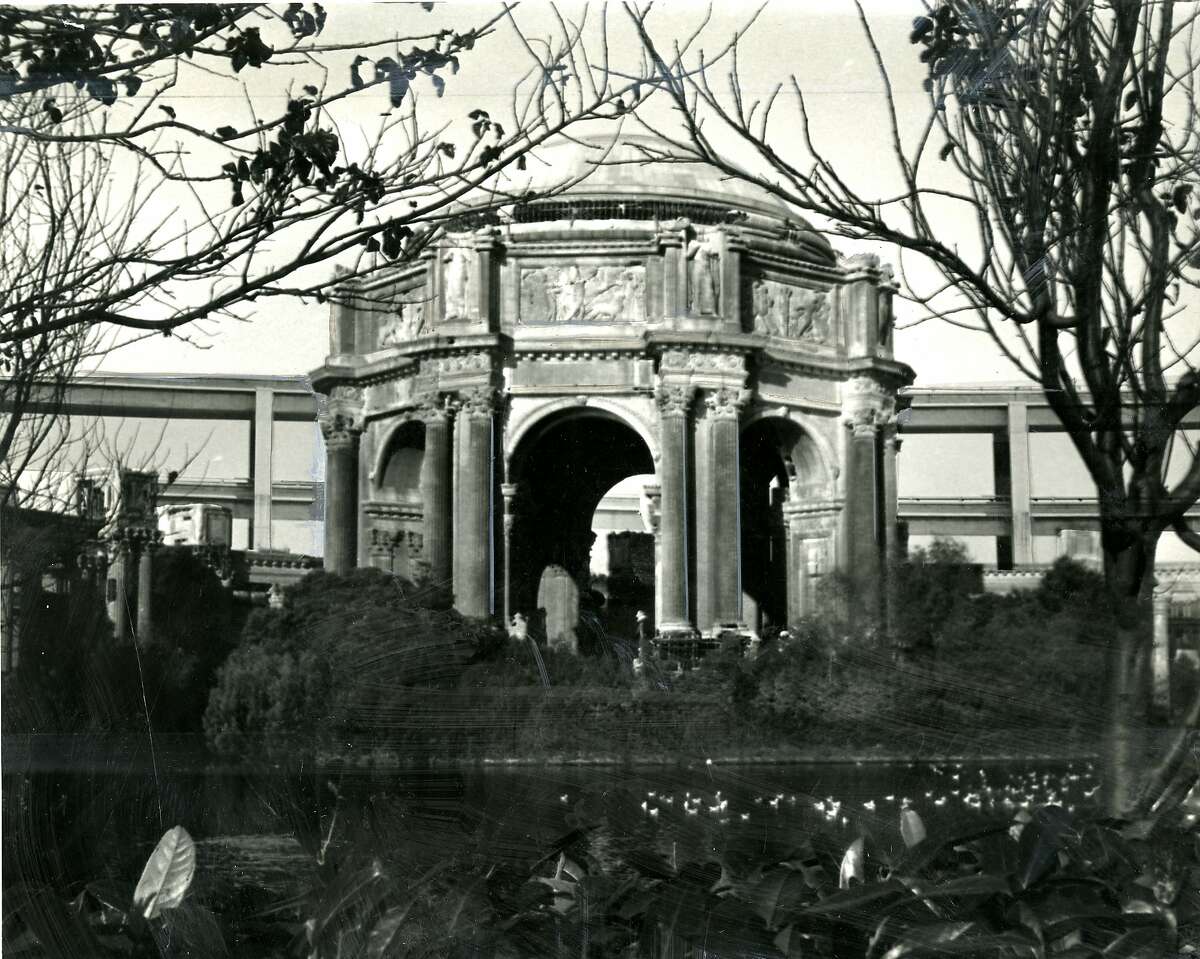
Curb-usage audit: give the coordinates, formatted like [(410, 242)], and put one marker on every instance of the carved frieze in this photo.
[(583, 294), (696, 362), (403, 326), (792, 312)]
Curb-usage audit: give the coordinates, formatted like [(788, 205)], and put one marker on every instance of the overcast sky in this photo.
[(822, 43)]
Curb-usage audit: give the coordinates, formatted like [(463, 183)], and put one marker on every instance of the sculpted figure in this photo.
[(704, 285), (457, 277), (537, 299), (635, 295)]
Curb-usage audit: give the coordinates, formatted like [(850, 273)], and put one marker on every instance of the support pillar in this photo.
[(796, 558), (509, 492), (1160, 657), (717, 512), (342, 427), (436, 492), (1021, 484), (473, 592), (864, 516), (674, 404), (145, 593), (261, 459)]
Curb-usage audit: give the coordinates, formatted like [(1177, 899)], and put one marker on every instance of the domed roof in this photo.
[(596, 167)]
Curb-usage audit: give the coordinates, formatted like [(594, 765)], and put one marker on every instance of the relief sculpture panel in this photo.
[(405, 324), (583, 294), (792, 312)]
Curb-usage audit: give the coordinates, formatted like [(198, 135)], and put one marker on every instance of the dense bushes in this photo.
[(376, 662), (330, 664)]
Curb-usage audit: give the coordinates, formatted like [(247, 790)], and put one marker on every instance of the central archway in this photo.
[(561, 469)]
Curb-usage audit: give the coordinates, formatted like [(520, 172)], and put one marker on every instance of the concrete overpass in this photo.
[(1010, 414)]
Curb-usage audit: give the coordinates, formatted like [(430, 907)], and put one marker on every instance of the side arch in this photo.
[(817, 456), (544, 415)]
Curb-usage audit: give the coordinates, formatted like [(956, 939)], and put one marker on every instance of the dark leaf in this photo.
[(356, 79), (226, 133), (439, 85), (311, 90), (168, 111), (132, 84)]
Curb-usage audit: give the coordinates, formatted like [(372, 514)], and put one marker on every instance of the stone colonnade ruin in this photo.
[(651, 320)]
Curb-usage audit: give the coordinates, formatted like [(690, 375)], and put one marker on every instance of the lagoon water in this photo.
[(258, 834)]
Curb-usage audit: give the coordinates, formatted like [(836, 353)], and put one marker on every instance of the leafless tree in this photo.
[(122, 214), (1066, 131)]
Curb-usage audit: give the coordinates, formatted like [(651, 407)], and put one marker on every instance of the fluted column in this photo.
[(437, 492), (473, 504), (718, 537), (797, 565), (674, 403), (863, 514), (341, 425), (145, 595), (725, 407)]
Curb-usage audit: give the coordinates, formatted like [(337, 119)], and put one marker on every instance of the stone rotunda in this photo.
[(650, 320)]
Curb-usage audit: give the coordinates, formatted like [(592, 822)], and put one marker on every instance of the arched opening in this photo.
[(399, 477), (395, 512), (779, 463), (562, 470)]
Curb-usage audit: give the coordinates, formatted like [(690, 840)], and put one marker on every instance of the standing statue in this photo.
[(457, 280), (704, 275)]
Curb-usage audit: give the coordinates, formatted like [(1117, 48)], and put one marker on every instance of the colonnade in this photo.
[(467, 506)]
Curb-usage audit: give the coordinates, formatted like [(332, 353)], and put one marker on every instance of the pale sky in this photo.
[(821, 42)]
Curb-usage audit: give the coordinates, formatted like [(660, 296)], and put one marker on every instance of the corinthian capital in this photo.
[(342, 419), (675, 400), (726, 403), (434, 409), (480, 402)]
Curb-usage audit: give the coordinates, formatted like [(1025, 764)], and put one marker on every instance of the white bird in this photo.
[(653, 812), (869, 805), (745, 816), (690, 811), (562, 798), (644, 805)]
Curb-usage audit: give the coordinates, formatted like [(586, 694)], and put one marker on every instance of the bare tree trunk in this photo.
[(1128, 571)]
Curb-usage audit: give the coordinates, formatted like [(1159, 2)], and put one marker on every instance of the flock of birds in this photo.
[(943, 785)]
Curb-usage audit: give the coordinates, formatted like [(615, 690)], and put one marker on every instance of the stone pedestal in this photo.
[(674, 404), (558, 595), (472, 505), (437, 492), (863, 515)]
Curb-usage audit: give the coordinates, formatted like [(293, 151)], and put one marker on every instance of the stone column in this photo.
[(674, 404), (717, 512), (342, 427), (651, 509), (797, 564), (1160, 657), (473, 505), (145, 594), (509, 492), (437, 491), (118, 589), (1021, 484), (863, 514)]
